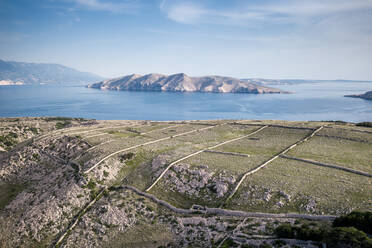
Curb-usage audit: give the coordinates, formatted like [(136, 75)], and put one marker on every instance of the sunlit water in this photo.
[(310, 101)]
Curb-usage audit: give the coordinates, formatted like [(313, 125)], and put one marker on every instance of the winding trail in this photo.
[(270, 160), (77, 218), (148, 143), (232, 232), (200, 151), (221, 211)]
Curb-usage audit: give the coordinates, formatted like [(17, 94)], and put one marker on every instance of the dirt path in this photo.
[(77, 218), (225, 212), (200, 151), (269, 161)]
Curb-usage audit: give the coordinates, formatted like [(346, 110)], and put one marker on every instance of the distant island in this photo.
[(367, 95), (10, 82), (182, 83), (18, 73)]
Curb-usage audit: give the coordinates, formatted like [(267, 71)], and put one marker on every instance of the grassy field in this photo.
[(350, 154), (339, 143), (185, 163), (292, 186)]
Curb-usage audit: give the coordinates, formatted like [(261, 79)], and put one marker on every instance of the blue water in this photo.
[(310, 101)]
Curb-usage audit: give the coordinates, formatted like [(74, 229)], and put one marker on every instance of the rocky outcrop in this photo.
[(182, 83), (367, 95), (184, 179)]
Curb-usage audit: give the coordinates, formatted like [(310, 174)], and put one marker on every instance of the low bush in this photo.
[(346, 231), (348, 237), (126, 156), (364, 124), (60, 125), (357, 219)]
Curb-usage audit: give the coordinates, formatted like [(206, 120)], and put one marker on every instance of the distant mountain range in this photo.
[(35, 73), (182, 83)]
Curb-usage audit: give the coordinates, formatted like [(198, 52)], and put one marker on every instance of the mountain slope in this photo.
[(182, 83), (35, 73)]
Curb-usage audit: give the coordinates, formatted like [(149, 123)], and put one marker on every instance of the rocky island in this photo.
[(367, 95), (182, 83)]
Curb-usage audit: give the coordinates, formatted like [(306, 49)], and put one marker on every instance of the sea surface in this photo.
[(309, 101)]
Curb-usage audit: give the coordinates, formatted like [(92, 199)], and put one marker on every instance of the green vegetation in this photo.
[(364, 124), (354, 155), (8, 191), (344, 232), (61, 118), (229, 242), (282, 186), (8, 140), (126, 156), (312, 189), (63, 124), (357, 219)]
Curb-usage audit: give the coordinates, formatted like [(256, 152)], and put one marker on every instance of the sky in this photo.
[(279, 39)]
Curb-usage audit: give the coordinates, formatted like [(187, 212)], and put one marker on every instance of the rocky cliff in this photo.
[(182, 83)]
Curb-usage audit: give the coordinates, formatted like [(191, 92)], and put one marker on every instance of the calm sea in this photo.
[(310, 101)]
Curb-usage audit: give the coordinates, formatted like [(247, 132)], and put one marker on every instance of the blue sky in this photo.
[(311, 39)]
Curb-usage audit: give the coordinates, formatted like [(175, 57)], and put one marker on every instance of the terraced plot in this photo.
[(338, 133), (268, 142), (349, 154), (123, 180), (207, 178), (291, 186)]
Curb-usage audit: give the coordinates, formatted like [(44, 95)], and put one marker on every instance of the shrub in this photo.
[(357, 219), (285, 231), (91, 184), (60, 125), (126, 156), (35, 156), (279, 243), (265, 245), (364, 124), (229, 242), (34, 130), (348, 237)]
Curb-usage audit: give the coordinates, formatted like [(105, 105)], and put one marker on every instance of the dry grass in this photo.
[(333, 191)]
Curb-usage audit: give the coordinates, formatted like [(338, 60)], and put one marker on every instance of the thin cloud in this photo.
[(12, 37), (114, 7), (282, 11)]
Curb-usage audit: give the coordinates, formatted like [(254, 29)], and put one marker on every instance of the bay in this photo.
[(309, 101)]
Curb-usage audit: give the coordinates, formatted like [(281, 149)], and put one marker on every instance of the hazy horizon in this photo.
[(256, 39)]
